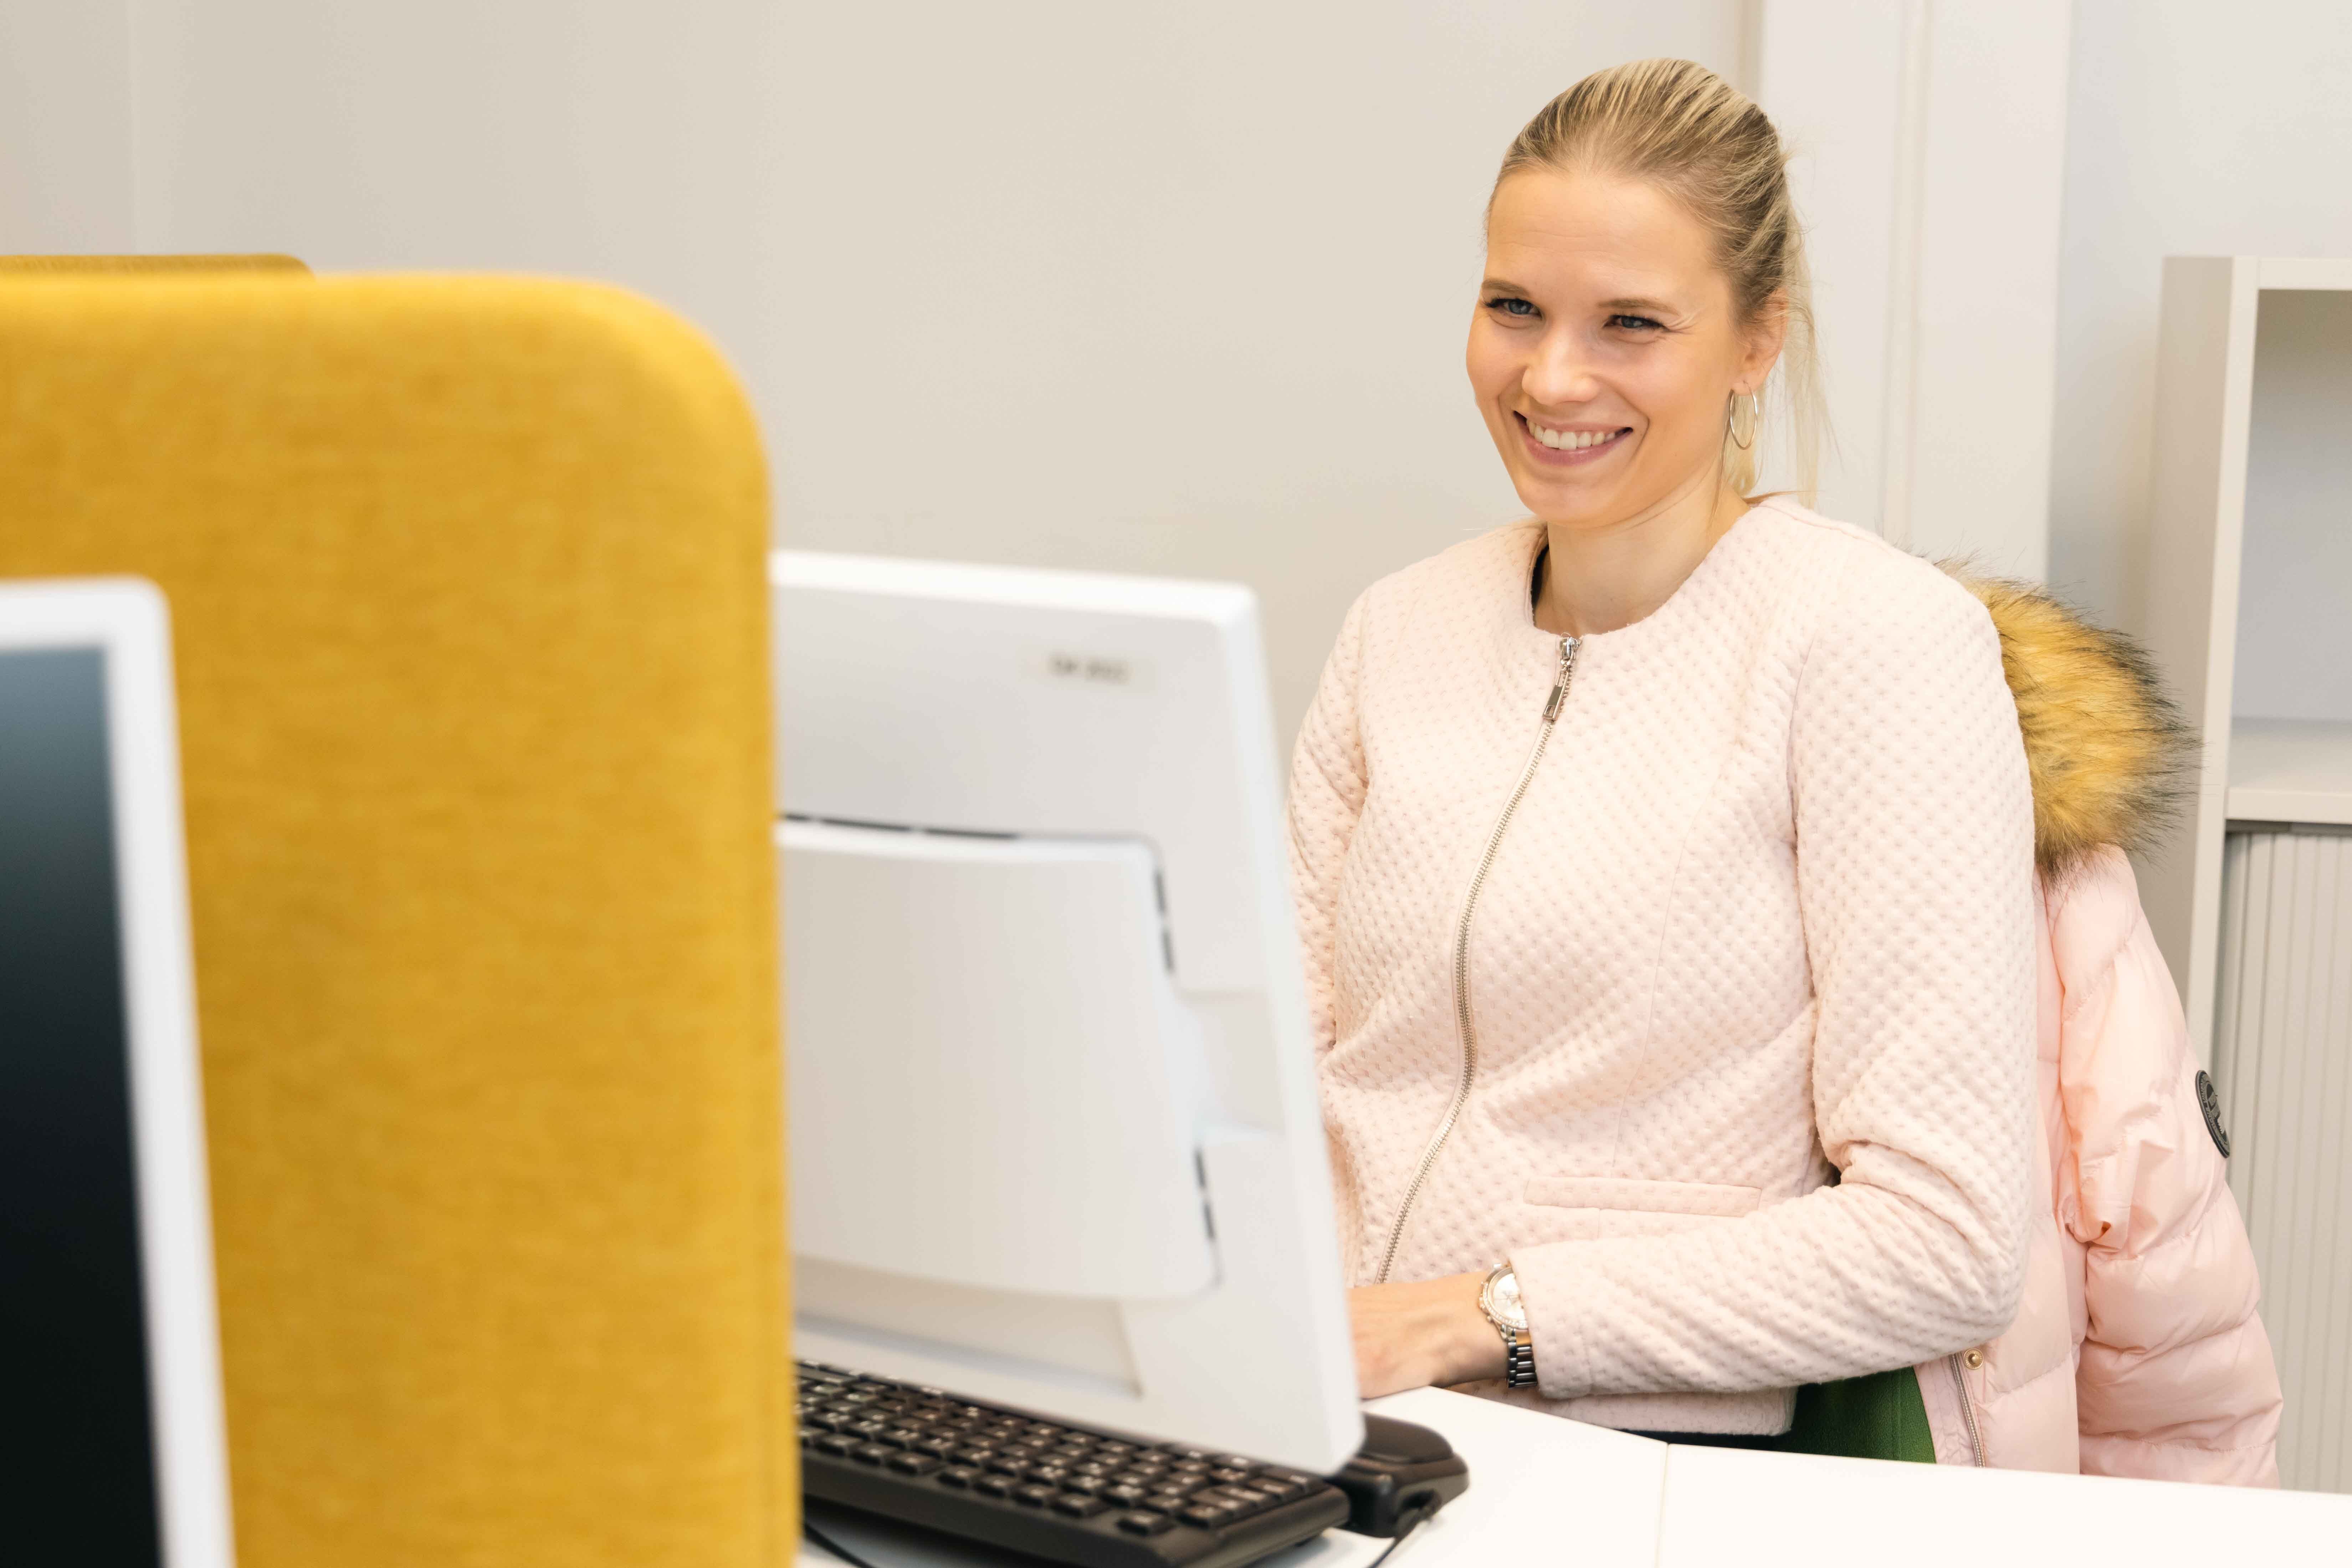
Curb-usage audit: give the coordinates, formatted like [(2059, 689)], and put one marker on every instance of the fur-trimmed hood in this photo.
[(2110, 756)]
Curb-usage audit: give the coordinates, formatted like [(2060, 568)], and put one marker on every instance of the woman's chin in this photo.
[(1571, 505)]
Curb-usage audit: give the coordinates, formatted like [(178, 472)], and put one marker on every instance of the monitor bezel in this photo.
[(128, 621)]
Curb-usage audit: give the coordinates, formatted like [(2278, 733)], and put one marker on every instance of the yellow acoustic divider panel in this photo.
[(467, 579)]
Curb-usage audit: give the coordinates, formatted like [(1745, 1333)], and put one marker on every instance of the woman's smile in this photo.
[(1567, 446)]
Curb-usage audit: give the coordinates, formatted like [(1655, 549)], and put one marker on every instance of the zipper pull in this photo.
[(1559, 682)]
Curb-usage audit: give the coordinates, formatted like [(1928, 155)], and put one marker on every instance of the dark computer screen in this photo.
[(77, 1455)]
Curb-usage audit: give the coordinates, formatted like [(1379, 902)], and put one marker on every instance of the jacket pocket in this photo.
[(1624, 1193)]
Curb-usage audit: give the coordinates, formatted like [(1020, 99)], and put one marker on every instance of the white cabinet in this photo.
[(2248, 573)]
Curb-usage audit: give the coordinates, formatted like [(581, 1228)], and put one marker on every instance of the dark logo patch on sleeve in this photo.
[(2210, 1104)]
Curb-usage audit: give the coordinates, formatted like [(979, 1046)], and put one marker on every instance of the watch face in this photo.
[(1503, 1300)]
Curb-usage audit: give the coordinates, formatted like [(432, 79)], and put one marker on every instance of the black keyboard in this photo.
[(1046, 1487)]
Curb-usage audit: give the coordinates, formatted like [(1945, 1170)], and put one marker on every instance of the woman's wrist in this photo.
[(1479, 1349), (1422, 1332)]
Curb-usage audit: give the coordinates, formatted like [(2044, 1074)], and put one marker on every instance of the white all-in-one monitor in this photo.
[(1053, 1128), (110, 1403)]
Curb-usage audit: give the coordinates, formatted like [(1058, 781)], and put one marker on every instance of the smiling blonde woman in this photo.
[(1665, 862)]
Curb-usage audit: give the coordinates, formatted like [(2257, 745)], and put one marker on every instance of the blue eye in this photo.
[(1636, 323), (1511, 305)]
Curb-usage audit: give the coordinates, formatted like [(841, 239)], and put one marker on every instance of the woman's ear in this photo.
[(1762, 343)]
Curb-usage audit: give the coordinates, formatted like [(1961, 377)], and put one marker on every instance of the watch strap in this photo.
[(1518, 1358)]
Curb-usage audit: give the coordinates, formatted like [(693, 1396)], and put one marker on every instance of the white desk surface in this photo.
[(1544, 1490)]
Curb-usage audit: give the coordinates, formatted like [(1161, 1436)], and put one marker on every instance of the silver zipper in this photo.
[(1968, 1411), (1463, 1025)]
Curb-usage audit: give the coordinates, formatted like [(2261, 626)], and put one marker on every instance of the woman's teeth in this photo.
[(1570, 440)]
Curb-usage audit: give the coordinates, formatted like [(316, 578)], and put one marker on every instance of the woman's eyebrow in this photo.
[(1653, 307), (1499, 286)]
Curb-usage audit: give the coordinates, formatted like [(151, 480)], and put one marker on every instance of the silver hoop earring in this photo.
[(1747, 439)]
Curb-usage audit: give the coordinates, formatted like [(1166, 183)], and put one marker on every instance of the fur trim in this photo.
[(2112, 760)]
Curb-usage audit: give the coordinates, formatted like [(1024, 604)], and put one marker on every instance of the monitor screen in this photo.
[(79, 1453)]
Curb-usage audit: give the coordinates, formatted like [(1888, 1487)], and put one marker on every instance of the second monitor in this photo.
[(1054, 1133)]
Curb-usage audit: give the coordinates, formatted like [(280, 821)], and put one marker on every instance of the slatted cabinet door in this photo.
[(2283, 1063)]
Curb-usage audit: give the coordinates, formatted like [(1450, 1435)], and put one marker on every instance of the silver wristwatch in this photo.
[(1498, 1298)]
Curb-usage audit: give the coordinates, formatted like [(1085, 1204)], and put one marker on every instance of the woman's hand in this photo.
[(1425, 1332)]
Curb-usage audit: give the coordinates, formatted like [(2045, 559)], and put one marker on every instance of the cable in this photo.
[(1420, 1518), (854, 1561)]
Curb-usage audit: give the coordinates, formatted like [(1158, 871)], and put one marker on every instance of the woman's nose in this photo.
[(1559, 374)]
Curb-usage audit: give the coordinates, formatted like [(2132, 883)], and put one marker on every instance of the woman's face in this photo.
[(1604, 349)]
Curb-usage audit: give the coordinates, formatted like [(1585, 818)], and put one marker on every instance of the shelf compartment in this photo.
[(2291, 769)]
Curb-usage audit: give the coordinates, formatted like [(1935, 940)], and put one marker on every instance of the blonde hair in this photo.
[(1677, 125)]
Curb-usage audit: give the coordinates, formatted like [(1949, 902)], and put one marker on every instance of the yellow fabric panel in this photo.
[(139, 265), (467, 581)]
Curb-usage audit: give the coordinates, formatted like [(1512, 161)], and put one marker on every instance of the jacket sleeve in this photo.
[(1915, 881), (2176, 1381), (1327, 780)]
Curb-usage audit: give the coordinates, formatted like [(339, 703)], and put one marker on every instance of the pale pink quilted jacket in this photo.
[(2137, 1350), (1766, 916)]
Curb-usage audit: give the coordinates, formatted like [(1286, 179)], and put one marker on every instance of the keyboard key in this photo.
[(937, 1448), (994, 1486), (1009, 1463), (1047, 1475), (959, 1476), (1075, 1506), (1033, 1495), (870, 1454), (1088, 1486), (836, 1445), (1124, 1494), (976, 1458), (1246, 1499), (1209, 1515), (1146, 1523), (913, 1464), (902, 1436)]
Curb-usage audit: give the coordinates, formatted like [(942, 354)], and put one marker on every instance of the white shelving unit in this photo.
[(2248, 610), (2248, 602)]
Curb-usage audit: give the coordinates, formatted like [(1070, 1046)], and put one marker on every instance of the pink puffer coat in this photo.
[(2137, 1350)]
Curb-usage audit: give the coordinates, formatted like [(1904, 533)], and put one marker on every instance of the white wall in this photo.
[(64, 127), (1927, 142), (2193, 131)]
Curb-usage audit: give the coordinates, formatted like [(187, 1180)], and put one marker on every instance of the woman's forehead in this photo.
[(1581, 230)]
